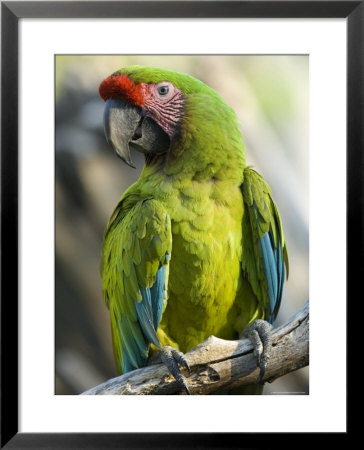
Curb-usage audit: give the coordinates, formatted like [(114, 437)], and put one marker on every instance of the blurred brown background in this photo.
[(270, 97)]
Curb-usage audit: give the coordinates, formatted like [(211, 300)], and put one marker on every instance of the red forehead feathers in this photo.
[(121, 86)]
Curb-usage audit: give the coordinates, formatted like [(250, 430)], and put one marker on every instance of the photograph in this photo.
[(181, 224)]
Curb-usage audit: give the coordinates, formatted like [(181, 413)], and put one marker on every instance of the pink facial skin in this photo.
[(162, 102)]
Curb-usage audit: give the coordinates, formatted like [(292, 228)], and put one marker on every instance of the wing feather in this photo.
[(136, 251), (265, 257)]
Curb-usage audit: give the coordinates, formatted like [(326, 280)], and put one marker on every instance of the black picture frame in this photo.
[(11, 12)]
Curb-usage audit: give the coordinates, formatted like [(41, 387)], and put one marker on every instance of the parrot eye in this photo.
[(163, 90)]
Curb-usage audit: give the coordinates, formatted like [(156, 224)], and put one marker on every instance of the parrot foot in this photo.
[(259, 333), (172, 358)]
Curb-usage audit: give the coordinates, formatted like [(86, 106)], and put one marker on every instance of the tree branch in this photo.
[(217, 364)]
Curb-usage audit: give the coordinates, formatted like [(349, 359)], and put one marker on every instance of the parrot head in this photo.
[(145, 108)]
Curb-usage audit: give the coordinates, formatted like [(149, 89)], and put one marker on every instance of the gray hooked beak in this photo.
[(126, 127)]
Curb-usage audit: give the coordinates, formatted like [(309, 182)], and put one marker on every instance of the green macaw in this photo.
[(195, 247)]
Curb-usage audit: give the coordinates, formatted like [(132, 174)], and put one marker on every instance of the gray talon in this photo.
[(171, 357), (259, 333), (182, 361)]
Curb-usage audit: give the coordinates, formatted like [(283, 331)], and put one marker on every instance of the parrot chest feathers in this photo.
[(205, 263)]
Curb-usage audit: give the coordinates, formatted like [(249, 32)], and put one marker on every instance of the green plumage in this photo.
[(200, 212)]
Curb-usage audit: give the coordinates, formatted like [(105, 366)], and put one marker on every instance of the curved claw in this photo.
[(259, 333), (171, 357), (181, 360)]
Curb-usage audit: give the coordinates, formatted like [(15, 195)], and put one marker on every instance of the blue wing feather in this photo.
[(145, 317), (270, 268), (149, 310), (274, 271), (281, 274), (149, 313), (134, 346), (157, 294)]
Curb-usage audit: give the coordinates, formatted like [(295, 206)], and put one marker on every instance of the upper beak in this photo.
[(126, 126), (120, 123)]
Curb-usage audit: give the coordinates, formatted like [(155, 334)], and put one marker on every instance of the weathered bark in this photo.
[(217, 364)]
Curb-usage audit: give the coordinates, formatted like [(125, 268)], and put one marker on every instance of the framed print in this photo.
[(60, 183)]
